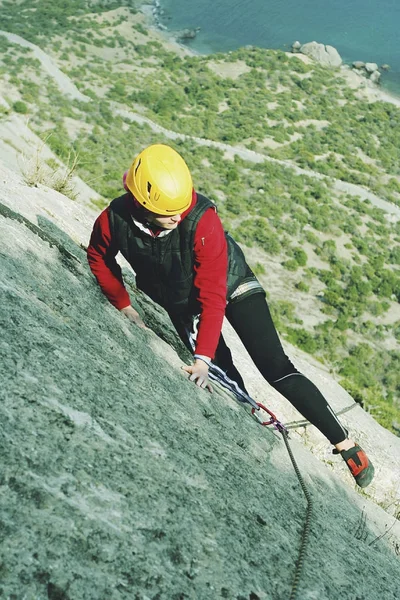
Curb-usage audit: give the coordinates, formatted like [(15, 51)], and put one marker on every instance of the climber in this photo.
[(174, 240)]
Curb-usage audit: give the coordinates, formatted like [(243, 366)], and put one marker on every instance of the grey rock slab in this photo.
[(121, 477)]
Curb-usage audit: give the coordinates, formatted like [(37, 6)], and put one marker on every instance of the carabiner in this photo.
[(272, 420)]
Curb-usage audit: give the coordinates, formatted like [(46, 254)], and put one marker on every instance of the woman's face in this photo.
[(169, 222)]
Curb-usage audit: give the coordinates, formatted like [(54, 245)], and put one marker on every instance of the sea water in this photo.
[(365, 30)]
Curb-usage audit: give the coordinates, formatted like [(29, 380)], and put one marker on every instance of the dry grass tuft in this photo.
[(56, 175)]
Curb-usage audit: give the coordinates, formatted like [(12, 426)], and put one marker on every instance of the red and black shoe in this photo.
[(359, 465)]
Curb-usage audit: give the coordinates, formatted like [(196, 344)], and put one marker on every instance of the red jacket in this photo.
[(211, 261)]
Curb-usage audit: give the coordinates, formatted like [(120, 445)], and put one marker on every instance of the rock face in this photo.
[(123, 480), (325, 55)]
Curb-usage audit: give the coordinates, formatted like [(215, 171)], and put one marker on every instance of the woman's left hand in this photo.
[(199, 374)]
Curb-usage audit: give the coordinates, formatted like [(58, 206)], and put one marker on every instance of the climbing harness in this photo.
[(217, 374)]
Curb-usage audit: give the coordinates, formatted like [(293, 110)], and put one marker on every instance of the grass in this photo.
[(55, 175)]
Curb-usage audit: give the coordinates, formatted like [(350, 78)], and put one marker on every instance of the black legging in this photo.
[(251, 319)]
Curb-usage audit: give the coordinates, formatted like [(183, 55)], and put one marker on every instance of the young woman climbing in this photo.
[(175, 242)]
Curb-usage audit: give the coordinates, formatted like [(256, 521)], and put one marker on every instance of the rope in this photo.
[(305, 423), (221, 377), (306, 529)]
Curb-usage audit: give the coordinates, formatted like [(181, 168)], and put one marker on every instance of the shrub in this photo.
[(302, 338), (291, 264), (20, 107), (302, 287), (300, 257), (258, 269)]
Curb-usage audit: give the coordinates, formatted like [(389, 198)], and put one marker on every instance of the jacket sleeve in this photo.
[(101, 255), (211, 264)]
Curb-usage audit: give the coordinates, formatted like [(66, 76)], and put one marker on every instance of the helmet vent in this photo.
[(138, 165), (148, 188)]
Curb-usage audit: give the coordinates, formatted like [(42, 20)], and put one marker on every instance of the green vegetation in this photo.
[(338, 249), (20, 107), (30, 18)]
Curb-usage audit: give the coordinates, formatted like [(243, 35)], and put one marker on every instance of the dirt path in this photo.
[(63, 81), (68, 87), (252, 156)]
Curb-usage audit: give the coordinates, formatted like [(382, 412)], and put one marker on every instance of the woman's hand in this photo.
[(134, 316), (199, 374)]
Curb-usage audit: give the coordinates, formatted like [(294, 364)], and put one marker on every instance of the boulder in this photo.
[(385, 67), (188, 34), (296, 47), (371, 67), (325, 55), (358, 64), (375, 77)]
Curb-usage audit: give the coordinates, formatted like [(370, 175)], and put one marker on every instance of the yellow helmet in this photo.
[(160, 180)]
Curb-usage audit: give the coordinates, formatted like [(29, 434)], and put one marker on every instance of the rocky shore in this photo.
[(158, 15), (364, 75), (330, 57)]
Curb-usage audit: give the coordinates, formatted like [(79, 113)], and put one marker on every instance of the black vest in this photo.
[(164, 266)]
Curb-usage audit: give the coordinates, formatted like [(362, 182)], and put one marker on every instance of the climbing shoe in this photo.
[(359, 465)]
